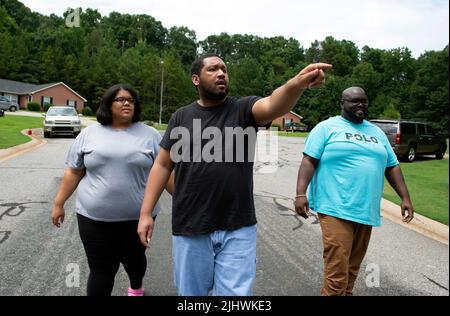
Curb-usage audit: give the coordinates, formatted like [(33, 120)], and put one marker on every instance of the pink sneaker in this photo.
[(138, 292)]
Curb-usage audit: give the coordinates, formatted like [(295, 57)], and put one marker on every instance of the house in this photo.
[(53, 93), (290, 117)]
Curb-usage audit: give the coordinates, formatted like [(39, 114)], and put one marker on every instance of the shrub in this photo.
[(148, 113), (87, 111), (46, 106), (33, 106)]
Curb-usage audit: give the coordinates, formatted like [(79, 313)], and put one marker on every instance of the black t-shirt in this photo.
[(213, 171)]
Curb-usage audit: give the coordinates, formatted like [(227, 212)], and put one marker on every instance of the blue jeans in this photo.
[(223, 262)]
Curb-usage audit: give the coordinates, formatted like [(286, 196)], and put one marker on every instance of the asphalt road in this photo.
[(38, 259)]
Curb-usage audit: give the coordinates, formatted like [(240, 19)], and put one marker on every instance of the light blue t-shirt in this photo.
[(348, 182), (117, 165)]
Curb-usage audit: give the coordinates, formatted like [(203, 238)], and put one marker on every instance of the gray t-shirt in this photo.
[(117, 165)]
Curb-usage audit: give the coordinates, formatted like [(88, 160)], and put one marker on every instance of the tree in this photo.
[(342, 54), (429, 91), (364, 76), (183, 42), (246, 78)]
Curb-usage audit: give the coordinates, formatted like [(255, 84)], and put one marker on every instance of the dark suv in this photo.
[(411, 138)]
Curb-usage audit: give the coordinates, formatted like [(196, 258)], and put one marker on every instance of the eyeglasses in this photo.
[(123, 100), (357, 102)]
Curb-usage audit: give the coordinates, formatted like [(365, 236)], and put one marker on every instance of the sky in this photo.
[(420, 25)]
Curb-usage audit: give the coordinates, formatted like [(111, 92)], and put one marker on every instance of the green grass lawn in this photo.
[(10, 127), (292, 134), (161, 127), (427, 181)]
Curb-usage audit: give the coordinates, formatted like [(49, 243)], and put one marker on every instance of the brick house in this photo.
[(287, 118), (53, 93)]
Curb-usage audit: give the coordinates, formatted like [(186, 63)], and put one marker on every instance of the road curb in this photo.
[(421, 224), (36, 142)]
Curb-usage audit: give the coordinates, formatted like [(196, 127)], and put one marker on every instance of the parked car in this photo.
[(61, 120), (411, 138), (8, 105), (295, 127)]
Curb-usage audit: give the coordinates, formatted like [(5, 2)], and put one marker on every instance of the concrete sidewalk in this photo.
[(389, 210)]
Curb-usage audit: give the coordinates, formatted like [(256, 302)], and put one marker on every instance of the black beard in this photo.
[(213, 95), (351, 116)]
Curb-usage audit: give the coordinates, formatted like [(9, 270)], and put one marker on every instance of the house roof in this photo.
[(299, 116), (16, 87)]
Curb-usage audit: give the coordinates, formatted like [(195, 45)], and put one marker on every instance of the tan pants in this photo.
[(344, 247)]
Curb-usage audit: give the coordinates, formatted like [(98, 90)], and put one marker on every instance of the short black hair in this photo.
[(197, 65), (104, 113)]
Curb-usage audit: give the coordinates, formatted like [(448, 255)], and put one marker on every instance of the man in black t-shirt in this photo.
[(210, 146)]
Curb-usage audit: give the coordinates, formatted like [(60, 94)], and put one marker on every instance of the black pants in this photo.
[(107, 245)]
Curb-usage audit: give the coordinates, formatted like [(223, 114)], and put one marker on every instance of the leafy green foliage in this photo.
[(138, 50), (33, 106), (87, 111)]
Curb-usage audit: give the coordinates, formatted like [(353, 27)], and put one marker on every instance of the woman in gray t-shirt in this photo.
[(108, 164)]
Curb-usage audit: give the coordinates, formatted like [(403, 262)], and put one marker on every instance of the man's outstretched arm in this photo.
[(283, 99)]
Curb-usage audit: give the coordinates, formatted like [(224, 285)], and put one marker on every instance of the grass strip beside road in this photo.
[(11, 127), (292, 134), (427, 181), (159, 127)]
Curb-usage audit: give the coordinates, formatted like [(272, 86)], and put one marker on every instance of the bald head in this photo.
[(352, 91)]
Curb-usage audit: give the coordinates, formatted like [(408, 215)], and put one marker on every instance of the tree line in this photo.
[(138, 50)]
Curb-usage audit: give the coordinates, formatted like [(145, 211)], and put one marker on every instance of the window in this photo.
[(408, 128), (422, 129), (430, 130), (387, 127), (286, 122), (11, 97), (46, 100), (72, 103)]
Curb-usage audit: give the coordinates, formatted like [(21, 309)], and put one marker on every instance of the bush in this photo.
[(46, 106), (33, 106), (148, 113), (87, 111)]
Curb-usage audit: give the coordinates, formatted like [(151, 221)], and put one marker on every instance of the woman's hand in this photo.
[(58, 215)]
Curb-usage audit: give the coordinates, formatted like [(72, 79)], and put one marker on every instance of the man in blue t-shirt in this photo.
[(345, 161)]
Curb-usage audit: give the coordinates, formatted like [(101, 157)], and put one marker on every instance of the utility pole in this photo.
[(162, 89)]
